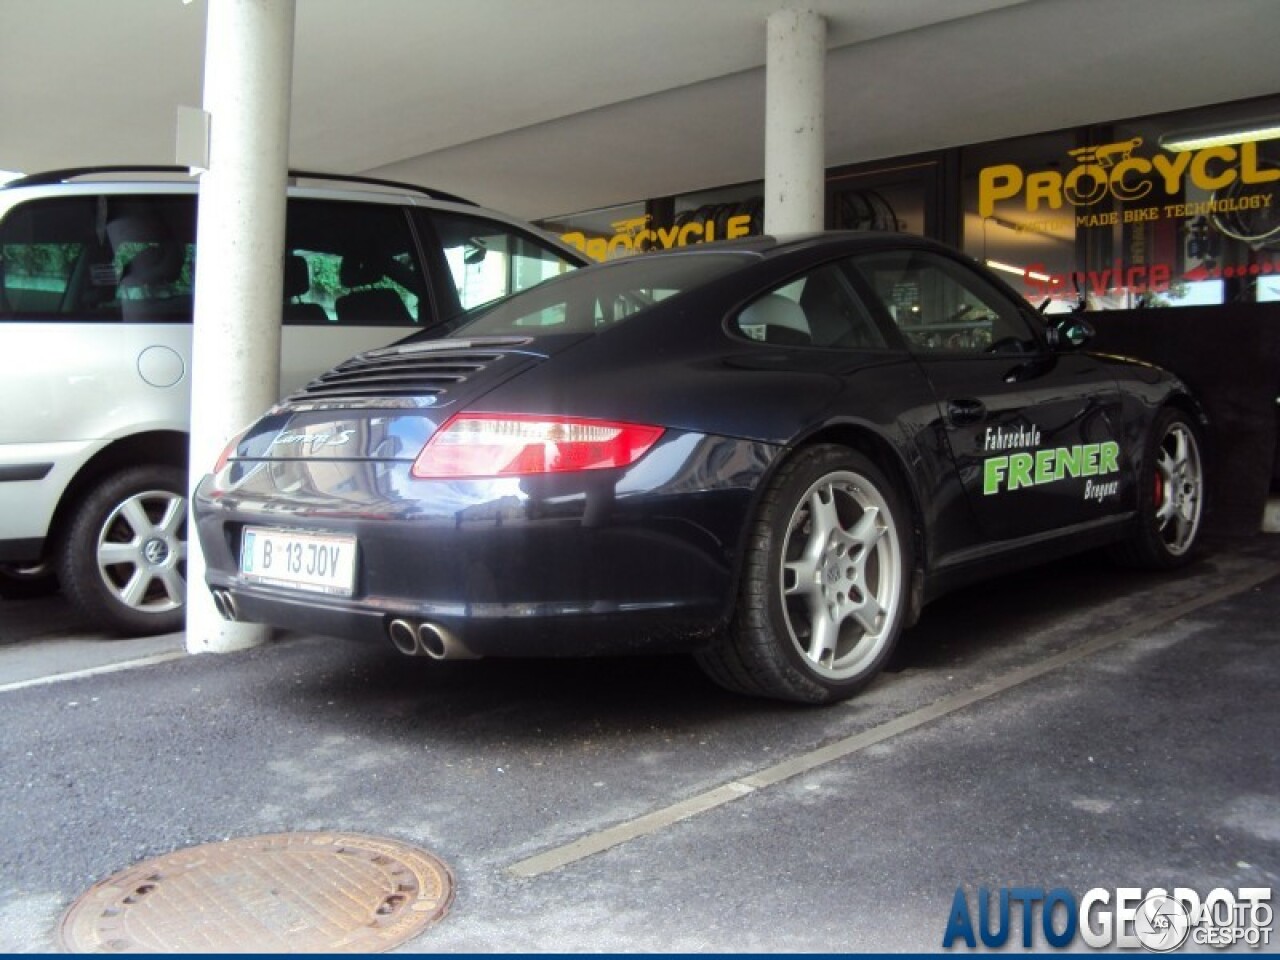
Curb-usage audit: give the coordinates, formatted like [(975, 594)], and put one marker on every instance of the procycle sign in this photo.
[(1112, 170), (640, 235), (1115, 185)]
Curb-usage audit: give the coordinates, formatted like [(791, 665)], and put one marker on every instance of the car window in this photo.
[(99, 259), (352, 264), (131, 258), (942, 306), (819, 310), (488, 260), (597, 297)]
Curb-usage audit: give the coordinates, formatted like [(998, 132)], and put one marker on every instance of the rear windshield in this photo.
[(590, 299)]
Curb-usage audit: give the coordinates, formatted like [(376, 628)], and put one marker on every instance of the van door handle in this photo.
[(963, 410)]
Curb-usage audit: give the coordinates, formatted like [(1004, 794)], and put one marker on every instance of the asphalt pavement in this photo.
[(1075, 726)]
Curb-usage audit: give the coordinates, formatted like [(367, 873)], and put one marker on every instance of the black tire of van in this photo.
[(124, 555)]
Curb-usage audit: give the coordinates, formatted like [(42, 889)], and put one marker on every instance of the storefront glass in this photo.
[(723, 214), (1112, 216), (1131, 214), (601, 234), (901, 197)]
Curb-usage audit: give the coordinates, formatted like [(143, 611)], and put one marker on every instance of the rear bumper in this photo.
[(599, 562), (482, 631)]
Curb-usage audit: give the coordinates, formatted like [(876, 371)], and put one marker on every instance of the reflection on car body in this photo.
[(761, 452)]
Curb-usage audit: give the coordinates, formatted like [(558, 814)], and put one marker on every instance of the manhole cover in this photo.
[(281, 893)]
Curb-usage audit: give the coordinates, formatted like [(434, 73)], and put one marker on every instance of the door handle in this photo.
[(964, 410)]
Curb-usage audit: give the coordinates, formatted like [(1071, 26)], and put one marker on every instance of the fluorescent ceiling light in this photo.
[(1179, 141), (1010, 268)]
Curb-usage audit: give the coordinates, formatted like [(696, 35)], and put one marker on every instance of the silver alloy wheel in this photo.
[(841, 575), (142, 551), (1179, 493)]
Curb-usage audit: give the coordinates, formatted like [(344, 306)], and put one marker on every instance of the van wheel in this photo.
[(26, 582), (124, 557), (824, 586)]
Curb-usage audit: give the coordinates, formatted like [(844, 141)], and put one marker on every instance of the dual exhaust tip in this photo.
[(226, 605), (421, 639), (425, 639)]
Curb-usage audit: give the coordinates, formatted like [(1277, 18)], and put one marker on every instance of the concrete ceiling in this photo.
[(542, 107)]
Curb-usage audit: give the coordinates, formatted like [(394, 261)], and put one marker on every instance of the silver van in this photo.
[(96, 269)]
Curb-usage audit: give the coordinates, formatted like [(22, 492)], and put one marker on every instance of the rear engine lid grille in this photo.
[(414, 370)]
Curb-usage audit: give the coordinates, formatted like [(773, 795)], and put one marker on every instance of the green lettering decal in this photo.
[(1067, 463), (1044, 466), (1110, 456), (1020, 465), (1025, 469), (1090, 466), (992, 474)]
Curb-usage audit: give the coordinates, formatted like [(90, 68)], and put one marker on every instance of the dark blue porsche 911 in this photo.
[(770, 453)]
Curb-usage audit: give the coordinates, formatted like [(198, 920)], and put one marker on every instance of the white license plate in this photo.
[(326, 564)]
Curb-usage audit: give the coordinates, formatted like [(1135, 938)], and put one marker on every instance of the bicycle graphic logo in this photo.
[(1102, 169)]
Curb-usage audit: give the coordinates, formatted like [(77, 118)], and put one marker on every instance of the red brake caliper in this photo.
[(1159, 501)]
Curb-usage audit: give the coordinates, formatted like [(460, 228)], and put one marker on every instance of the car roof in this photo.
[(768, 246), (132, 174), (160, 180)]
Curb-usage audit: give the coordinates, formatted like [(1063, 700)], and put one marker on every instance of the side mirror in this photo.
[(1075, 331)]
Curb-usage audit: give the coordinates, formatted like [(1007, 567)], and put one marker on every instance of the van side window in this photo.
[(99, 259), (352, 264), (488, 260)]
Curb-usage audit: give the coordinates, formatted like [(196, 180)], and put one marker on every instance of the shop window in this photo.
[(604, 234), (608, 234), (724, 214), (1128, 214), (897, 196)]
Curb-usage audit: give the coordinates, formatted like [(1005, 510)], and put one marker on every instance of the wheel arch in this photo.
[(164, 447), (1183, 401), (884, 454)]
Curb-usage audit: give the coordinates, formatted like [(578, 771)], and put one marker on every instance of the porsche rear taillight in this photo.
[(228, 450), (509, 445)]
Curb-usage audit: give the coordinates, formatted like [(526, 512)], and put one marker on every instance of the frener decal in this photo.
[(1032, 468), (998, 438)]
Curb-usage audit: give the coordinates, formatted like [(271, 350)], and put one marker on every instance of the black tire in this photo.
[(26, 582), (809, 585), (1171, 499), (123, 557)]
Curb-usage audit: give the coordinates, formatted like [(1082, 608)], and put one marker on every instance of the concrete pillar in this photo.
[(795, 122), (239, 270)]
